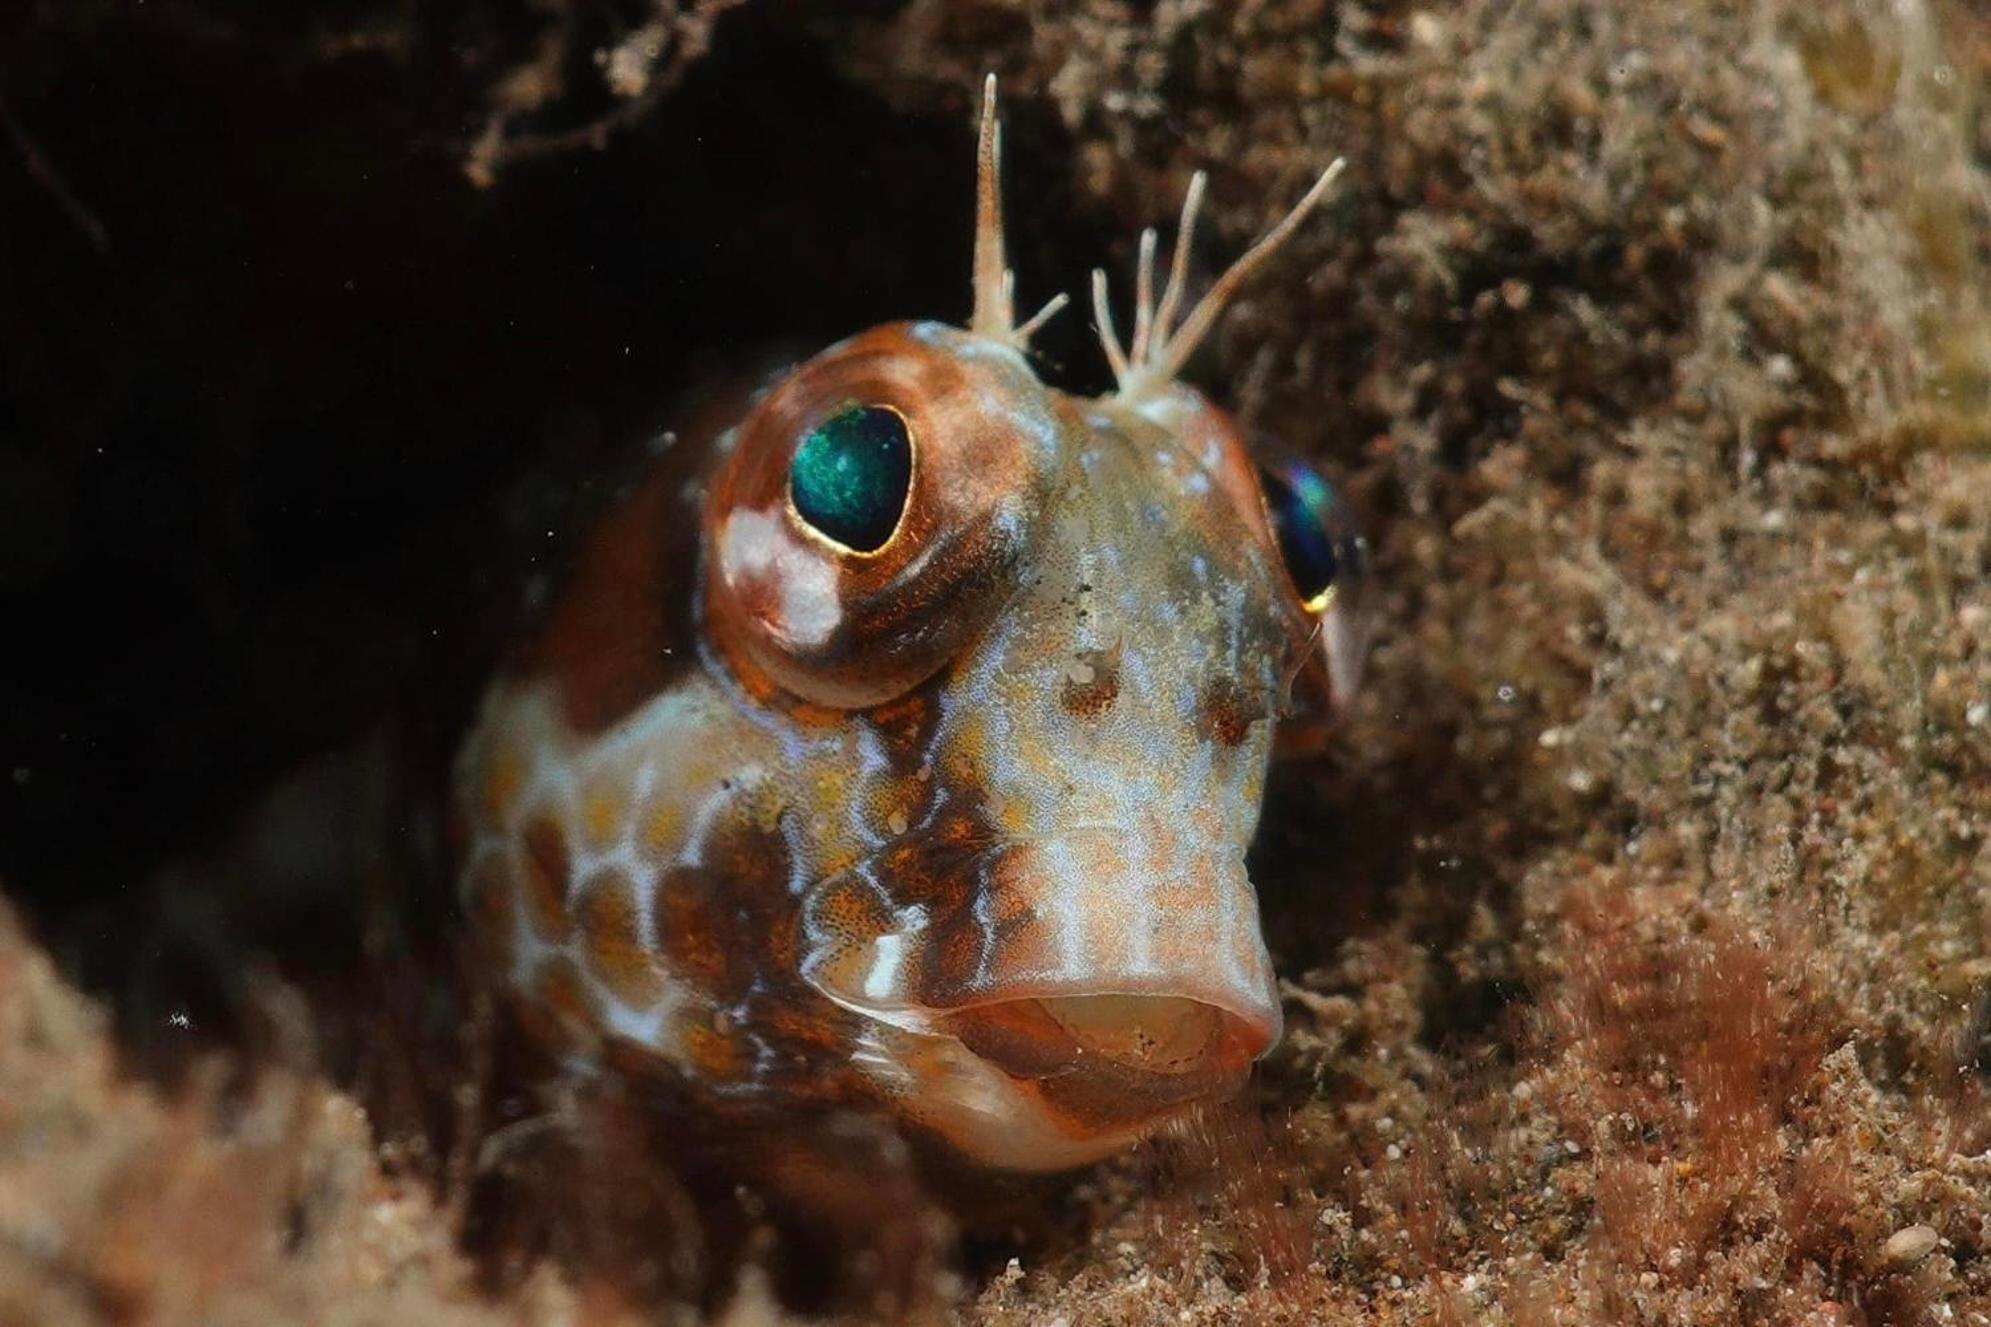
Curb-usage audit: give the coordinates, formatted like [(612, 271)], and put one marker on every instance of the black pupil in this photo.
[(1299, 503), (850, 475)]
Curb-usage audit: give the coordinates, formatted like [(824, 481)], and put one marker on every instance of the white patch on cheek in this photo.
[(757, 546), (883, 978), (881, 984)]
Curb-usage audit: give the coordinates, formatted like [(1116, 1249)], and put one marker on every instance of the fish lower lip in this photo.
[(1111, 1063), (1122, 1036)]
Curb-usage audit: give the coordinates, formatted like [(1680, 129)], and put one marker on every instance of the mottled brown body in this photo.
[(954, 825)]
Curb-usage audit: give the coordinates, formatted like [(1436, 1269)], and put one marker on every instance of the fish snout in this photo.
[(1139, 984), (1091, 985)]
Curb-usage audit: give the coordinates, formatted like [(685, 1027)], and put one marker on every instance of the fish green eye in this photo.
[(851, 475), (1310, 526)]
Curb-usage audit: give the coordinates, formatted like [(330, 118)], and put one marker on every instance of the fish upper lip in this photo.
[(930, 1020)]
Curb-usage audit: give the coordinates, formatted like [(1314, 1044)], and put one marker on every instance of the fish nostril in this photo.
[(1147, 1034)]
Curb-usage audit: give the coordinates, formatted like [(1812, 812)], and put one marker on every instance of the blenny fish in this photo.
[(896, 739)]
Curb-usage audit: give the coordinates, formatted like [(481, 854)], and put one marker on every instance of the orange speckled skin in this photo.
[(955, 829)]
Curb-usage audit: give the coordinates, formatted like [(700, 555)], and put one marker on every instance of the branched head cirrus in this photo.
[(898, 738)]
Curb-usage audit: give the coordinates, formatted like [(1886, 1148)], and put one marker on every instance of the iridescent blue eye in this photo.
[(851, 474), (1315, 541)]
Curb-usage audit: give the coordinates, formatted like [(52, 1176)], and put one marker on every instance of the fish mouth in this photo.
[(1087, 988), (1156, 1036), (1094, 1068), (1113, 1062)]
